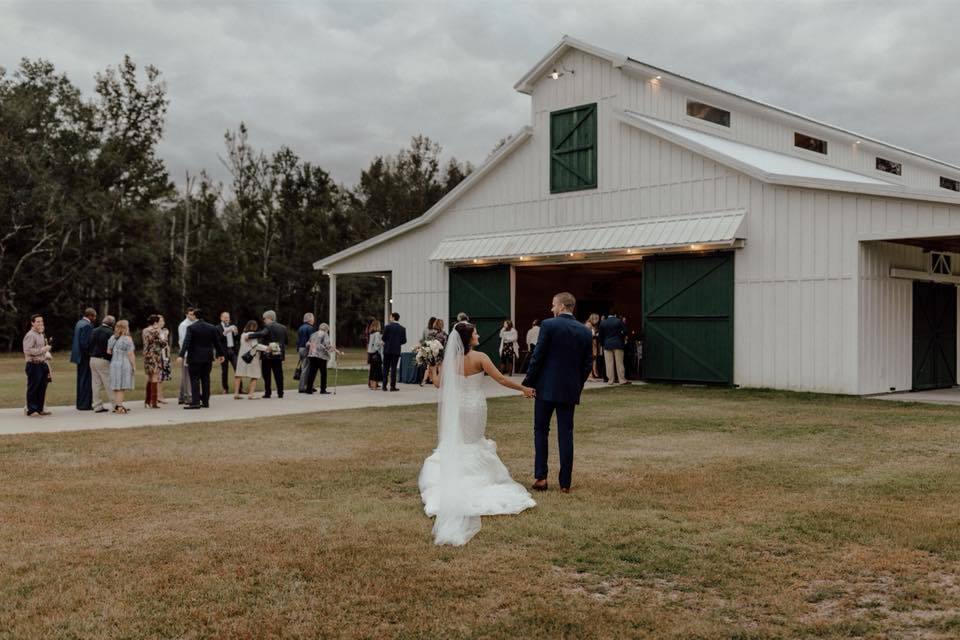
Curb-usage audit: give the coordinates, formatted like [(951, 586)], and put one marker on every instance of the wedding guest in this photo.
[(248, 364), (375, 355), (612, 334), (189, 319), (202, 345), (80, 356), (430, 333), (593, 324), (274, 335), (230, 334), (394, 337), (153, 347), (533, 334), (100, 362), (36, 352), (166, 370), (509, 348), (319, 349), (123, 364), (365, 336), (441, 335), (306, 330)]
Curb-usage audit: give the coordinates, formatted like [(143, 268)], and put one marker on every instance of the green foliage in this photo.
[(90, 216)]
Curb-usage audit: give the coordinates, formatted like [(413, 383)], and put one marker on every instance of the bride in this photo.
[(464, 479)]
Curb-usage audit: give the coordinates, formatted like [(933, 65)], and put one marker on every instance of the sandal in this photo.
[(121, 409)]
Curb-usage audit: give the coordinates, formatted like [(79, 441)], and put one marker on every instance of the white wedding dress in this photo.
[(464, 478)]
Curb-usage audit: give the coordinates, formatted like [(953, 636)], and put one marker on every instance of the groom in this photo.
[(559, 367)]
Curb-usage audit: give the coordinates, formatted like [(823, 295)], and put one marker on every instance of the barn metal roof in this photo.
[(770, 162), (718, 228)]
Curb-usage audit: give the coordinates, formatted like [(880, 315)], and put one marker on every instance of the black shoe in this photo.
[(325, 393), (279, 395), (205, 406), (193, 406), (266, 395), (102, 410), (394, 389)]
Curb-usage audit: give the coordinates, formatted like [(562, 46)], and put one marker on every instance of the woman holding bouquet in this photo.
[(429, 335)]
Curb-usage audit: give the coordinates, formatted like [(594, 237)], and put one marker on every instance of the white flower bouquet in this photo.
[(428, 353)]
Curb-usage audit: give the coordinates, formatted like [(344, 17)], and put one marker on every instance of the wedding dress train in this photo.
[(464, 478)]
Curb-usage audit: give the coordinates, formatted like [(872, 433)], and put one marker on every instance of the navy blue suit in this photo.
[(394, 337), (203, 343), (559, 366), (612, 333), (80, 356)]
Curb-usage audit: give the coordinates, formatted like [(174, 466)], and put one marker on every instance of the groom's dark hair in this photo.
[(465, 330)]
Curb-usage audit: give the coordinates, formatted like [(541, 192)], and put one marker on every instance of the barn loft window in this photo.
[(573, 149), (889, 166), (940, 263), (809, 143), (716, 115), (949, 183)]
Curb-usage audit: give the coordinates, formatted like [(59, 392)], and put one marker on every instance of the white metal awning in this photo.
[(689, 231)]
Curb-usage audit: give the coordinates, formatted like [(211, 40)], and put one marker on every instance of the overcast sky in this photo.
[(341, 82)]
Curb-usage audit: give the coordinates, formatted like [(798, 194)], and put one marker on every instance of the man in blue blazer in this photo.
[(80, 356), (558, 369), (394, 337)]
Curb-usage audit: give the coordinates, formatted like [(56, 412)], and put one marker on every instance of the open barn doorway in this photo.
[(600, 287)]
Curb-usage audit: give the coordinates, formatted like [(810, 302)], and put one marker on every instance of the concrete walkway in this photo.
[(934, 396), (224, 407)]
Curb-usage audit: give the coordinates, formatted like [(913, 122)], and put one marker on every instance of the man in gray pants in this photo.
[(188, 320)]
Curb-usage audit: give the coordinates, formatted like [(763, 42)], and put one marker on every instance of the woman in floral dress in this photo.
[(153, 347)]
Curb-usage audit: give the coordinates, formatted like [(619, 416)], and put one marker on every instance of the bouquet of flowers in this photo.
[(428, 353), (274, 348)]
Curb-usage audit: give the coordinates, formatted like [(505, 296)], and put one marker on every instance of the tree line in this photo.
[(90, 216)]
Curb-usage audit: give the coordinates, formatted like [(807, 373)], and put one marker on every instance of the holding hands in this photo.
[(529, 393)]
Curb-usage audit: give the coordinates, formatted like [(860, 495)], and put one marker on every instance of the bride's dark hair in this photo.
[(465, 329)]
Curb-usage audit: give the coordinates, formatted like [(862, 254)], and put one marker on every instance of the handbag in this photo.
[(247, 357), (299, 370)]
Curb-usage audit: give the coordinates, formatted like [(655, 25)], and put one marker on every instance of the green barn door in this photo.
[(688, 318), (484, 294), (934, 335)]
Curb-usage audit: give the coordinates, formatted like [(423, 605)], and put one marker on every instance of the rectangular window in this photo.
[(810, 143), (889, 166), (716, 115), (573, 149), (948, 183)]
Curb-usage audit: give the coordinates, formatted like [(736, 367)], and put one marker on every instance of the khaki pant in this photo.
[(184, 397), (609, 357), (100, 381)]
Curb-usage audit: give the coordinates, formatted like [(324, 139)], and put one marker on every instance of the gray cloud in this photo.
[(340, 82)]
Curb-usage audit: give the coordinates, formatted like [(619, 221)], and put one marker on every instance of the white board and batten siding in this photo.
[(814, 306)]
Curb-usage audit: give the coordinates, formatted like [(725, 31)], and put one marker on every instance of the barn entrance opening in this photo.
[(600, 288)]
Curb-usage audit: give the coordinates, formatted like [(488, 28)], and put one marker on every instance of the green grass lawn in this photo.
[(696, 513), (63, 389)]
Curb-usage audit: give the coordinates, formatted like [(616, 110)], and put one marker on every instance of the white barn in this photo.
[(748, 245)]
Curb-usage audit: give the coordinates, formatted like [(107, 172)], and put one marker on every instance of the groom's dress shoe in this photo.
[(540, 485), (564, 489)]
